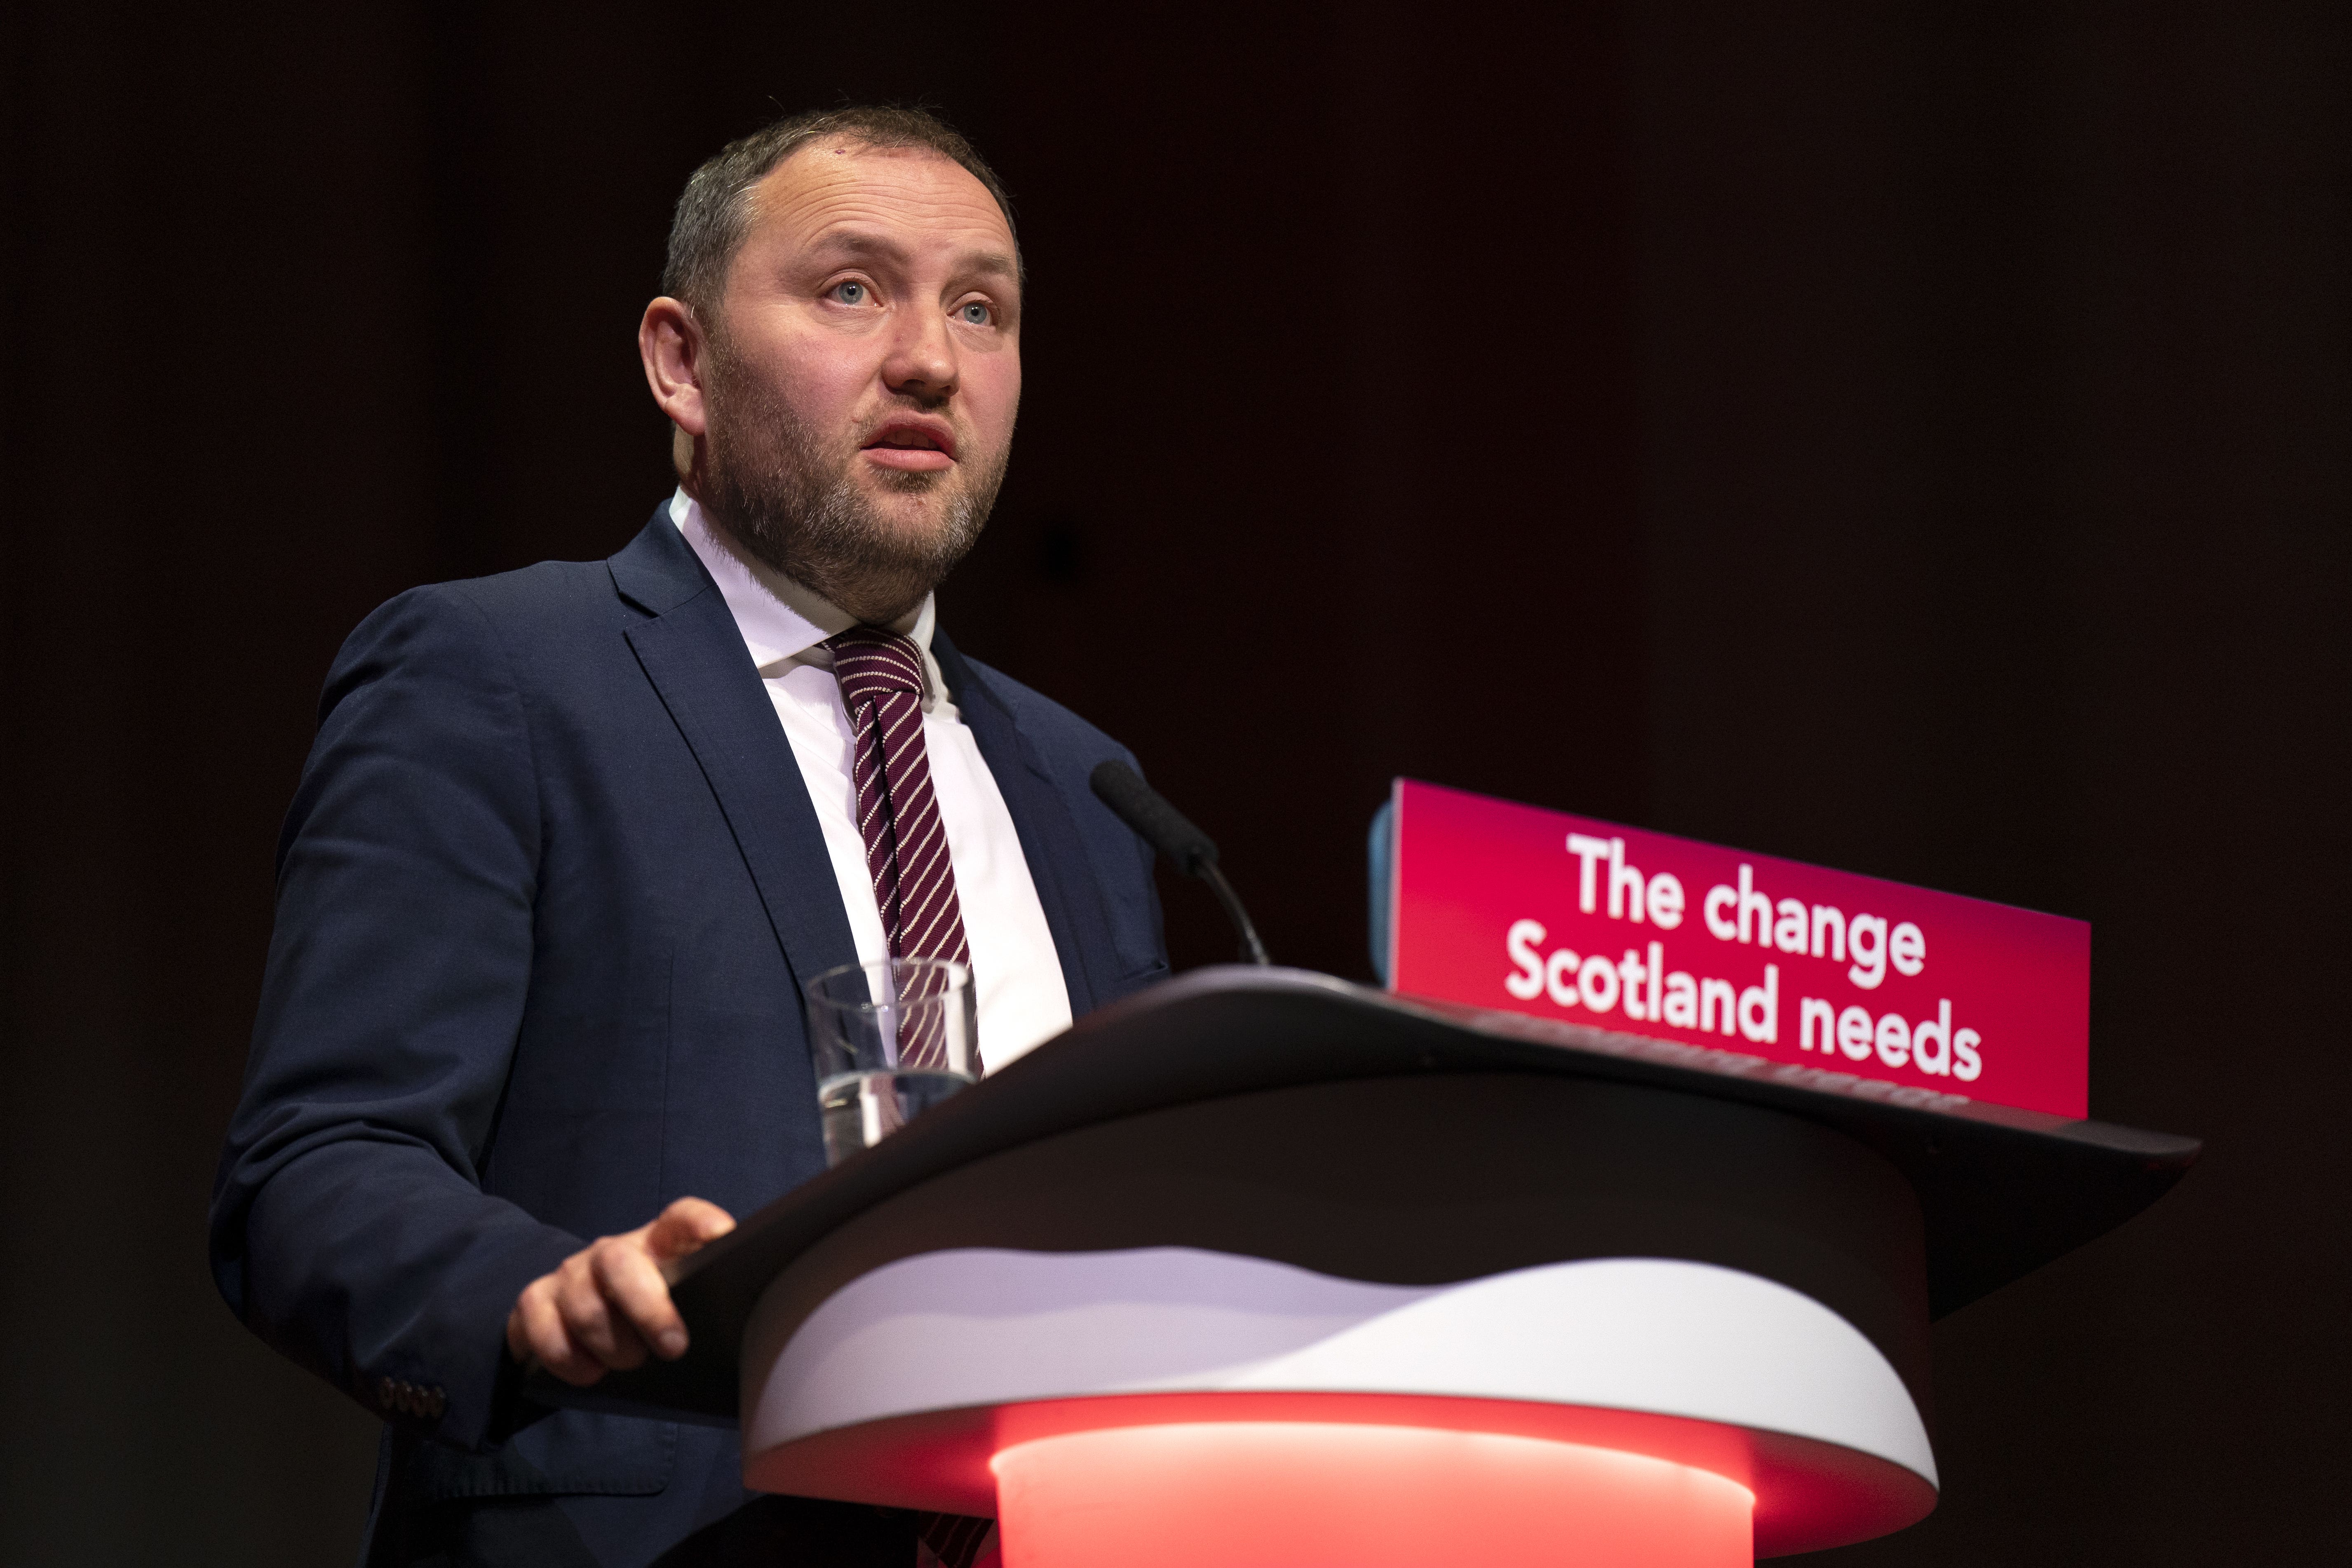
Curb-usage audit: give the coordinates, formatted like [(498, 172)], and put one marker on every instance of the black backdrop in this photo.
[(1905, 437)]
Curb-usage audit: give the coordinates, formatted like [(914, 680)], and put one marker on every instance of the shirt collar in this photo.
[(783, 624)]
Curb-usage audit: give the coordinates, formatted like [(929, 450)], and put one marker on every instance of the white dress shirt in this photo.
[(1016, 972)]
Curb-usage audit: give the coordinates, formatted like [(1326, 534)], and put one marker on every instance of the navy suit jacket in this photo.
[(546, 896)]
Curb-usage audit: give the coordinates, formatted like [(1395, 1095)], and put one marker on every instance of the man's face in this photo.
[(862, 377)]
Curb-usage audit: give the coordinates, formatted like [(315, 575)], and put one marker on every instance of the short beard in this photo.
[(799, 510)]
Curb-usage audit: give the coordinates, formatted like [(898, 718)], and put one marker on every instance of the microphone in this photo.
[(1162, 827)]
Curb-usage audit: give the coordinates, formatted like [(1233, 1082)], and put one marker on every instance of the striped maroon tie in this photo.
[(881, 677)]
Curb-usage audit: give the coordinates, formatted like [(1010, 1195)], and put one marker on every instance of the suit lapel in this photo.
[(695, 657), (1049, 839), (692, 652)]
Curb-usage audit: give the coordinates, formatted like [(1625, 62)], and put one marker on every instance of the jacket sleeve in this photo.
[(349, 1225)]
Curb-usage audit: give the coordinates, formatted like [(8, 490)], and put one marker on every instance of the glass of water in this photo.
[(891, 1039)]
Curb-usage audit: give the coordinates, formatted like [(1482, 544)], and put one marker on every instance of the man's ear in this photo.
[(670, 342)]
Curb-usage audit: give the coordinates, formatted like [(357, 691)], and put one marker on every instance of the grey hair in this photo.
[(714, 212)]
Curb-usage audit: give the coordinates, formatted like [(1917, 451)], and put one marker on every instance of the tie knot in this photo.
[(870, 662)]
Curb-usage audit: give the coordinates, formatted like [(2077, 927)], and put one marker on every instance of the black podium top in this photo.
[(2002, 1192)]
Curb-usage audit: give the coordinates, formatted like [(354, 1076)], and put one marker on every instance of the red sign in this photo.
[(1505, 906)]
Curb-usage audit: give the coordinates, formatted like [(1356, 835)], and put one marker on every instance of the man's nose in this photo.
[(922, 364)]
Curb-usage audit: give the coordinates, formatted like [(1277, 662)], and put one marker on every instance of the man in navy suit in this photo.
[(571, 839)]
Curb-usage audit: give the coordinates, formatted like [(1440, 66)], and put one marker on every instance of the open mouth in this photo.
[(912, 444)]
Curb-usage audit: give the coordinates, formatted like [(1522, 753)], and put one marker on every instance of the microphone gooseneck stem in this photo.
[(1163, 827), (1253, 950)]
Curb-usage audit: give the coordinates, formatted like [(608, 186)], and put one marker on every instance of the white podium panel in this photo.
[(906, 1384)]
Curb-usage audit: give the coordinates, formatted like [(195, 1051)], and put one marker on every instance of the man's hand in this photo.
[(608, 1303)]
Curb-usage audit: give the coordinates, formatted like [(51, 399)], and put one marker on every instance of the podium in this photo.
[(1260, 1267)]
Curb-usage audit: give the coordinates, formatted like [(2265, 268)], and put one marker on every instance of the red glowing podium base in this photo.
[(1260, 1267), (1276, 1494)]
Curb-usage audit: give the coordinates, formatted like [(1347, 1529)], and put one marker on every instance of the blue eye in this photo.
[(850, 293), (974, 314)]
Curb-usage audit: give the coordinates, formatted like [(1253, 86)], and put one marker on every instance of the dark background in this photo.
[(1907, 438)]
